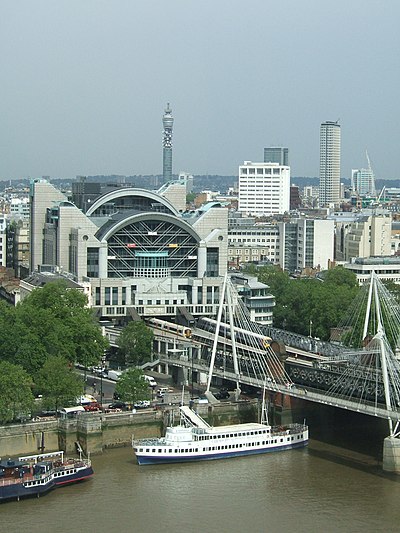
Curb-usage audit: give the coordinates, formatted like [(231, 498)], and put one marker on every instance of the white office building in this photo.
[(264, 189), (329, 177)]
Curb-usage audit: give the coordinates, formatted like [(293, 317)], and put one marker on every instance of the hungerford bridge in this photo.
[(364, 379)]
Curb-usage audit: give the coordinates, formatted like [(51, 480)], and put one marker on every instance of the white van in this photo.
[(114, 374), (151, 381)]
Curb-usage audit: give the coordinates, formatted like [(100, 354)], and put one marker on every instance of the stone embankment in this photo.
[(98, 431)]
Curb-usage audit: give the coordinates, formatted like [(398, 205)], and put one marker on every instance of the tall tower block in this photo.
[(168, 122), (329, 167)]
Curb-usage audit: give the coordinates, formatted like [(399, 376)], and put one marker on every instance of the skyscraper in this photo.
[(277, 154), (168, 122), (329, 174)]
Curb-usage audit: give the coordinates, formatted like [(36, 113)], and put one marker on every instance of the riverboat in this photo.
[(66, 470), (35, 475), (195, 440)]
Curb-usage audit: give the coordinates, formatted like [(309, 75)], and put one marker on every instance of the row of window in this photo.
[(260, 170), (223, 447)]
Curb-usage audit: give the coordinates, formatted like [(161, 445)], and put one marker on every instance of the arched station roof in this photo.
[(116, 194)]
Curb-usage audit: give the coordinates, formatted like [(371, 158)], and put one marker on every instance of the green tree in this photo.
[(341, 276), (16, 398), (58, 383), (136, 342), (190, 197), (53, 320), (132, 386)]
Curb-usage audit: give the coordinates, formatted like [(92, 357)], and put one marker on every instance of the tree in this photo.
[(52, 320), (136, 343), (58, 383), (16, 398), (132, 386), (341, 276)]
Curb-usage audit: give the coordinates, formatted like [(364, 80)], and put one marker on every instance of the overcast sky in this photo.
[(84, 84)]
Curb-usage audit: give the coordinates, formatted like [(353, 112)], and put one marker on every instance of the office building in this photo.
[(329, 180), (168, 122), (264, 189), (277, 155), (306, 243)]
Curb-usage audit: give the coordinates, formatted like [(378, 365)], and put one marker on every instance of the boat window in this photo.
[(281, 440)]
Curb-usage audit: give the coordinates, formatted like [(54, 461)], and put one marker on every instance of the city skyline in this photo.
[(84, 85)]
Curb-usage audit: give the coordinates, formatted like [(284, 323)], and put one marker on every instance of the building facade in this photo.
[(264, 189), (329, 181), (277, 154), (386, 268), (369, 236), (139, 253), (363, 182), (306, 243)]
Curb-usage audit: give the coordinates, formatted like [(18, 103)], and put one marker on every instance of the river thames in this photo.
[(320, 488)]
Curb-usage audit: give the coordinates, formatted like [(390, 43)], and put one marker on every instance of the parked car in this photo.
[(117, 405), (142, 404)]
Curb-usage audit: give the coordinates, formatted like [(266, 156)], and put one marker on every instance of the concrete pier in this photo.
[(391, 455)]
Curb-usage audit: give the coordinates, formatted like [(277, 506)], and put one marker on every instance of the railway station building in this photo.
[(140, 252)]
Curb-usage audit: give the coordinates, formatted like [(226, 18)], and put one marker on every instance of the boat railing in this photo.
[(18, 480), (290, 429)]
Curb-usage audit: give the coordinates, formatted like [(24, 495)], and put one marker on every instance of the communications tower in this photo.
[(168, 122)]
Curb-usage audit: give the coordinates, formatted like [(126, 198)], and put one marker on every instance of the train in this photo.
[(242, 336), (176, 329)]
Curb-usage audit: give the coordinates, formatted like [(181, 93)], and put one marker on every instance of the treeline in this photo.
[(309, 305)]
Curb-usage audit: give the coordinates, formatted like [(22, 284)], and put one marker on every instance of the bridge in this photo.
[(365, 380), (289, 389)]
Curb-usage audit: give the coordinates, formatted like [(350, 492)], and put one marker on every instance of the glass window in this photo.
[(107, 298), (115, 295)]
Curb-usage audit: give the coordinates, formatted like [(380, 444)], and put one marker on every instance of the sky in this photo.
[(84, 84)]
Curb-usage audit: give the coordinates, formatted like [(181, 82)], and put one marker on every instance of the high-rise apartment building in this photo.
[(329, 176), (363, 181), (277, 154), (168, 122), (264, 189)]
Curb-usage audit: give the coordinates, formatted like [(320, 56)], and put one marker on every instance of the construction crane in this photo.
[(372, 177)]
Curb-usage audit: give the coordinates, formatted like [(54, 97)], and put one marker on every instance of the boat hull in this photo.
[(166, 459), (18, 491), (80, 475)]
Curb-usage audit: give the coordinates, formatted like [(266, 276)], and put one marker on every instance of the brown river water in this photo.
[(321, 488)]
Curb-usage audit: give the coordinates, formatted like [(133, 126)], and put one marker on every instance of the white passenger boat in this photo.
[(195, 440)]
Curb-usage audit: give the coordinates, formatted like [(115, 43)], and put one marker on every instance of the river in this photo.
[(321, 488)]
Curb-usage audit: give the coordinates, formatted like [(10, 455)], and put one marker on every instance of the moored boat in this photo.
[(66, 470), (195, 440), (19, 479), (34, 475)]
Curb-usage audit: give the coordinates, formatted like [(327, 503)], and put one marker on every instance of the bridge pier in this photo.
[(391, 455)]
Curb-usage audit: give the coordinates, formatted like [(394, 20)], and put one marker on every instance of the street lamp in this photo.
[(103, 362)]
